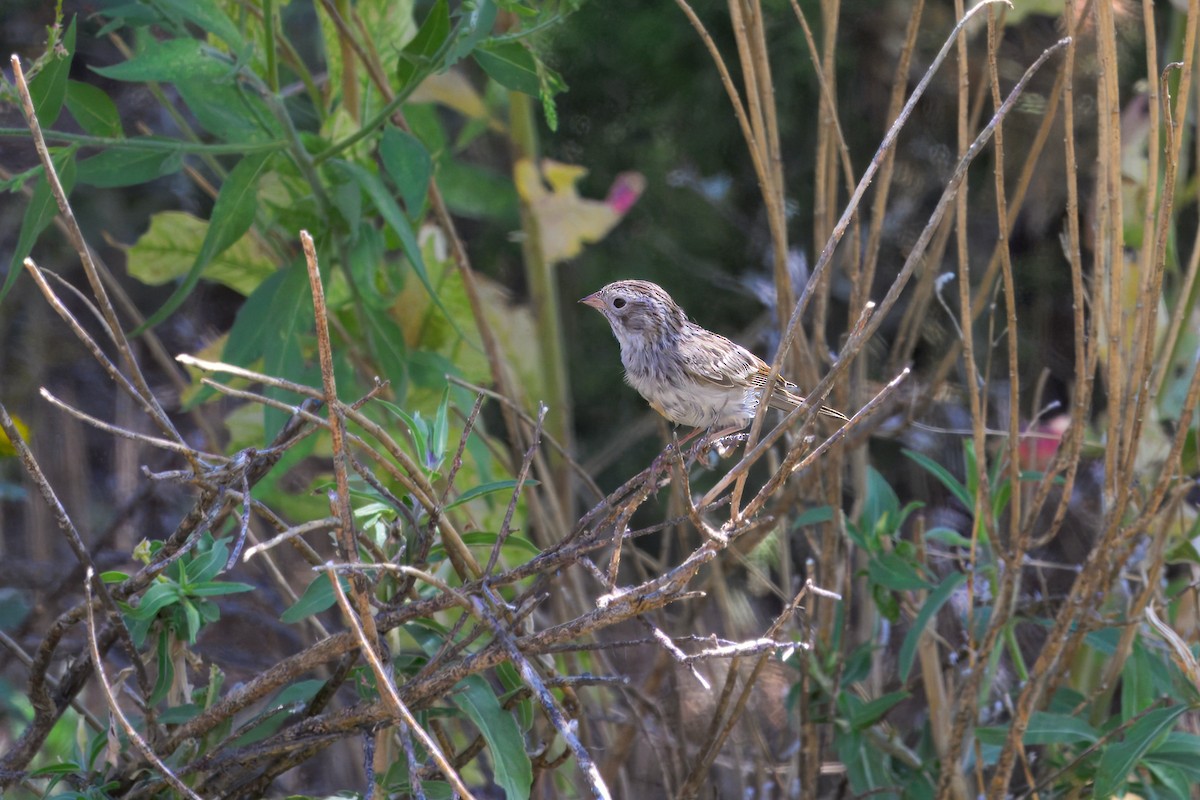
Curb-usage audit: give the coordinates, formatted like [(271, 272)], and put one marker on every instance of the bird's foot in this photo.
[(722, 443)]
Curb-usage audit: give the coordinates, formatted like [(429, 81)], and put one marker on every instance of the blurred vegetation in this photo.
[(983, 586)]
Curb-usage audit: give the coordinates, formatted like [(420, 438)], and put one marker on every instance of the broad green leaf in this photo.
[(155, 599), (271, 325), (476, 192), (398, 222), (947, 536), (937, 598), (94, 110), (1047, 728), (505, 742), (867, 764), (113, 576), (167, 250), (232, 216), (48, 89), (127, 167), (227, 110), (1179, 750), (318, 597), (813, 516), (208, 561), (1137, 682), (484, 489), (387, 343), (409, 165), (40, 213), (881, 503), (475, 25), (866, 714), (209, 17), (418, 55), (171, 61), (1118, 760), (893, 571), (952, 483), (509, 64)]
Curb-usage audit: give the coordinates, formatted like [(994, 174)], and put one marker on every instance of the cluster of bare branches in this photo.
[(574, 601), (500, 610)]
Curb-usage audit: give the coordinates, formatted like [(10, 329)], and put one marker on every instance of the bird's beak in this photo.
[(594, 300)]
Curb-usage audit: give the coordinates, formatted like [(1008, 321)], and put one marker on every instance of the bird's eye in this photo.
[(619, 302)]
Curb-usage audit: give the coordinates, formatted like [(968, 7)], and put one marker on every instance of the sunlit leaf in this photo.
[(232, 216)]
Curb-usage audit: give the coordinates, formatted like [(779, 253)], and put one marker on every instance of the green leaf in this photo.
[(477, 193), (48, 89), (417, 57), (166, 670), (1137, 682), (418, 429), (488, 539), (409, 165), (952, 483), (270, 326), (864, 715), (113, 576), (474, 26), (504, 740), (509, 64), (1179, 750), (318, 597), (217, 588), (207, 564), (486, 488), (168, 248), (947, 536), (1118, 760), (937, 598), (191, 617), (122, 167), (387, 207), (171, 61), (209, 17), (893, 571), (386, 341), (441, 425), (232, 216), (881, 505), (155, 599), (228, 111), (813, 516), (40, 213), (94, 110), (1047, 728)]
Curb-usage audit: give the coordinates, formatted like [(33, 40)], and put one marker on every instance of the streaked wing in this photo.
[(711, 358)]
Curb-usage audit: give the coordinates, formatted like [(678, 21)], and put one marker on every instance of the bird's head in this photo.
[(637, 310)]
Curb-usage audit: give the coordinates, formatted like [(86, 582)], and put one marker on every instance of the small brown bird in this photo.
[(690, 375)]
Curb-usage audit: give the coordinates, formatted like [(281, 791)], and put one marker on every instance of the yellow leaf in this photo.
[(168, 249), (451, 89), (566, 221)]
